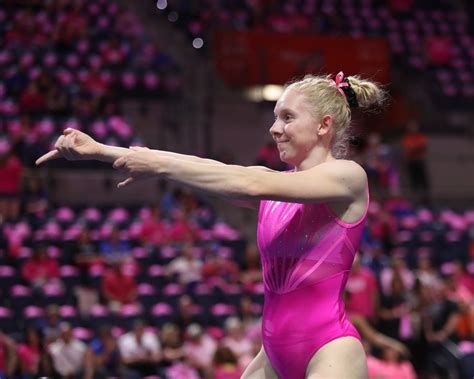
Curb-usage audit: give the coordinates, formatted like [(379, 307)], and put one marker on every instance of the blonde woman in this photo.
[(310, 221)]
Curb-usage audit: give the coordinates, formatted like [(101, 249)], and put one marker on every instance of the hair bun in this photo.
[(368, 94)]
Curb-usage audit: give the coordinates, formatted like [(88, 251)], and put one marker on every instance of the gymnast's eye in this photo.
[(288, 117)]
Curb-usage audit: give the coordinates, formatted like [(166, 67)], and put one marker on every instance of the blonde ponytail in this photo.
[(368, 93)]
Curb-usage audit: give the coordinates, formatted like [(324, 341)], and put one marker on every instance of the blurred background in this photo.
[(156, 281)]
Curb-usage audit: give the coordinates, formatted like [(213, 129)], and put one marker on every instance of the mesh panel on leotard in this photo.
[(301, 244)]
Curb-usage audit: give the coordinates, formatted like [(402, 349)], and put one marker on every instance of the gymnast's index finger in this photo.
[(119, 162), (53, 154)]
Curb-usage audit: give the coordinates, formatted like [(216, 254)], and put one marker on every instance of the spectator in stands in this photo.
[(118, 288), (115, 250), (395, 311), (40, 269), (251, 323), (85, 254), (180, 229), (18, 137), (140, 352), (50, 325), (189, 204), (187, 313), (425, 271), (459, 293), (389, 177), (377, 339), (217, 268), (398, 267), (85, 251), (380, 167), (171, 200), (456, 290), (171, 345), (362, 290), (383, 228), (95, 84), (225, 364), (32, 100), (414, 144), (154, 230), (199, 348), (8, 356), (186, 267), (58, 103), (34, 200), (105, 354), (68, 353), (390, 366), (16, 83), (112, 53), (461, 277), (30, 141), (30, 354), (11, 170), (236, 340), (439, 320), (374, 258)]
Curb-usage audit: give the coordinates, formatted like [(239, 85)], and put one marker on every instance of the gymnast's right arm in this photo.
[(75, 145)]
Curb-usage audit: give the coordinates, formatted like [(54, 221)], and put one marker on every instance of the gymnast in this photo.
[(310, 220)]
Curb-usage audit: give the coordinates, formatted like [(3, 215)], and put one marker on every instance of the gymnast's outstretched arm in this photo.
[(329, 181), (76, 145)]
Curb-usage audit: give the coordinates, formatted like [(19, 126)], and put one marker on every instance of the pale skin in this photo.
[(303, 141)]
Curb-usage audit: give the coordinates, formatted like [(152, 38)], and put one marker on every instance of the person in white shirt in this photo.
[(67, 353), (140, 351), (186, 266), (236, 340), (199, 347)]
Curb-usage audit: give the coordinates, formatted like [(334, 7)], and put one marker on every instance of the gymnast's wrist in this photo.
[(109, 154), (161, 165)]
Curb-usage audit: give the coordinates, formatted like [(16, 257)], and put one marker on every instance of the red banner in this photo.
[(253, 58)]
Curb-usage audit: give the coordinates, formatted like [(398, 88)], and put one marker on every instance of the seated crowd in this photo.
[(171, 290)]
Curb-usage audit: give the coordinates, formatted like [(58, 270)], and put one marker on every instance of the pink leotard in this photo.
[(307, 253)]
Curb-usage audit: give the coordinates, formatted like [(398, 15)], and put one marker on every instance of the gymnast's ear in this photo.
[(325, 126)]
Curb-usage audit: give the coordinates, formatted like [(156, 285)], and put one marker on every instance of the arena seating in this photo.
[(431, 39), (70, 65)]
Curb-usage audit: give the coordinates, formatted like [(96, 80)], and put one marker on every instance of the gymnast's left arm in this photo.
[(330, 181), (228, 181)]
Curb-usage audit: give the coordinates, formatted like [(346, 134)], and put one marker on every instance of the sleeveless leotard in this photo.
[(307, 253)]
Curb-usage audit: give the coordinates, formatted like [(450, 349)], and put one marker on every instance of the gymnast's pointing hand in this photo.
[(73, 145)]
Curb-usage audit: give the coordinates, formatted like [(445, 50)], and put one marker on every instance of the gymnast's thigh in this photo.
[(342, 358), (260, 368)]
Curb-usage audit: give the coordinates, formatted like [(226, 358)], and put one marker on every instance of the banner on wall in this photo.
[(255, 57)]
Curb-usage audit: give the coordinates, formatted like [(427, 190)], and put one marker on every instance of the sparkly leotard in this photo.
[(307, 253)]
